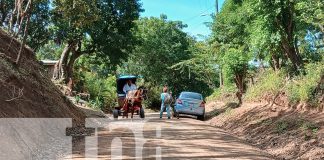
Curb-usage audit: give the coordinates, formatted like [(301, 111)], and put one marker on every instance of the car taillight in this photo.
[(179, 101)]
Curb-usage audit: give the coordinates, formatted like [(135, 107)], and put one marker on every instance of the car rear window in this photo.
[(191, 95)]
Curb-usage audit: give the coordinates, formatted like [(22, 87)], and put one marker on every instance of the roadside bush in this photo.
[(282, 126), (225, 93), (303, 88), (102, 90), (268, 83), (153, 97)]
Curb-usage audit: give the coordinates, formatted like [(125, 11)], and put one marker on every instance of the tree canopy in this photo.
[(162, 45)]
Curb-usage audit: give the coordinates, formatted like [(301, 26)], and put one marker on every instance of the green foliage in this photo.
[(77, 99), (225, 93), (302, 88), (153, 100), (230, 38), (94, 79), (235, 62), (102, 27), (309, 129), (305, 126), (38, 32), (228, 111), (163, 44), (311, 12), (49, 51), (202, 64), (282, 126), (268, 83), (102, 90)]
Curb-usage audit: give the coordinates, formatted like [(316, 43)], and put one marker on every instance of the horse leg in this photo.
[(132, 110), (125, 107)]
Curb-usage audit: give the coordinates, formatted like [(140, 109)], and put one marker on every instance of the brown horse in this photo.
[(133, 98)]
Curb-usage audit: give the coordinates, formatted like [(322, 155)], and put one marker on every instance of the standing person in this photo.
[(166, 102), (129, 86)]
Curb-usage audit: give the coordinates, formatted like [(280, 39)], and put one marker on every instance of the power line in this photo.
[(201, 13), (198, 25)]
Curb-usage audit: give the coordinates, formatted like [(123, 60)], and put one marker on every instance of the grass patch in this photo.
[(282, 126), (226, 93), (309, 129), (269, 83), (303, 88), (308, 126), (267, 122), (228, 111)]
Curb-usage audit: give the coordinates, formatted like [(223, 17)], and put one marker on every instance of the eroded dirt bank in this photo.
[(287, 133), (27, 92)]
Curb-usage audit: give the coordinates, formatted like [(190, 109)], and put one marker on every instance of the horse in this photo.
[(133, 98)]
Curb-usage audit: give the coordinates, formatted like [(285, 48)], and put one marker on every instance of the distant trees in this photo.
[(162, 44)]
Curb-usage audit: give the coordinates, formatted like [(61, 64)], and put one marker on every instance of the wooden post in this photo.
[(217, 10)]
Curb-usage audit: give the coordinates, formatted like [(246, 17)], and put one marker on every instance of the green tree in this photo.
[(202, 64), (162, 45), (235, 67), (229, 39), (311, 12), (38, 33), (101, 27)]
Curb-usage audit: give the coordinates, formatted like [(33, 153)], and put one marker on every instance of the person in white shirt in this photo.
[(129, 86)]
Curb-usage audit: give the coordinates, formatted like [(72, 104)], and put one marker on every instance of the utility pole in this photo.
[(217, 6), (221, 80)]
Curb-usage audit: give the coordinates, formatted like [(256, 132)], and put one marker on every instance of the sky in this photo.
[(191, 12)]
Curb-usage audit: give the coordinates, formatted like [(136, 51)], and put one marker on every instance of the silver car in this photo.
[(190, 103)]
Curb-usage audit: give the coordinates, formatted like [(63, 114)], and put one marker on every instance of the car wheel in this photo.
[(202, 117), (142, 113), (115, 113), (176, 114)]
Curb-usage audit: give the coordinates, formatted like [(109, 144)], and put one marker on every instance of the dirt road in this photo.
[(184, 138)]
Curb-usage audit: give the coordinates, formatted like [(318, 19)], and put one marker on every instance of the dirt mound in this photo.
[(26, 91), (285, 132)]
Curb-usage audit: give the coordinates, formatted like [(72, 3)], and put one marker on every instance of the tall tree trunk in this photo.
[(275, 62), (28, 12), (286, 22), (4, 12), (296, 45), (221, 80), (291, 54), (75, 55), (239, 81), (60, 69), (11, 22), (217, 10), (261, 67), (64, 68)]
